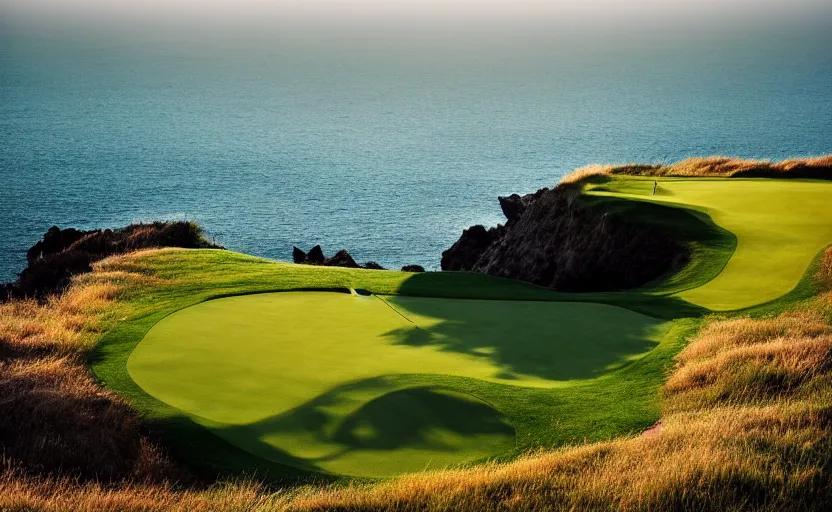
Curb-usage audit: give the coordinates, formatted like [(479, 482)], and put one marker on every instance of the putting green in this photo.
[(780, 226), (304, 378)]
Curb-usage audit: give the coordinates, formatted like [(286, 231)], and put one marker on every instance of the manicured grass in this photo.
[(292, 376), (578, 396), (438, 368), (780, 226)]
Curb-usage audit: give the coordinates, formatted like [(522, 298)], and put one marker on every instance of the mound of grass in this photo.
[(779, 225), (728, 440), (52, 411), (595, 404), (63, 253), (280, 374)]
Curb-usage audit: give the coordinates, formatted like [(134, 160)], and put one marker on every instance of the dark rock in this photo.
[(64, 253), (413, 268), (298, 256), (315, 256), (341, 259), (553, 240), (54, 240), (463, 255), (514, 205), (8, 291), (52, 273)]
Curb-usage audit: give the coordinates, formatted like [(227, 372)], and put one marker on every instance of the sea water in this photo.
[(389, 156)]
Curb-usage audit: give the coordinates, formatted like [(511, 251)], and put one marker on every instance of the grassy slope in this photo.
[(745, 426), (780, 227), (295, 373), (623, 401), (745, 414)]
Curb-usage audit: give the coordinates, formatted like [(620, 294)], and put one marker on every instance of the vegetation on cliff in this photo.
[(558, 239), (63, 253)]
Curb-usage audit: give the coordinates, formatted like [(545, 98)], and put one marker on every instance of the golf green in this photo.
[(306, 378), (780, 226)]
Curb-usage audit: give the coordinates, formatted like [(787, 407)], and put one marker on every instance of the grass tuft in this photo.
[(715, 166)]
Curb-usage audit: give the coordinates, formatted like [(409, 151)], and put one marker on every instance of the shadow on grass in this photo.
[(372, 415), (554, 341)]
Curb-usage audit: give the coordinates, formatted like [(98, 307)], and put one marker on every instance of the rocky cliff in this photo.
[(554, 238), (63, 253)]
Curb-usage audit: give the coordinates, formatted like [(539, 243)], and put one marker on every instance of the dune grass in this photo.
[(714, 166)]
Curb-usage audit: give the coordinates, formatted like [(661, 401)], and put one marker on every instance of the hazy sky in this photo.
[(508, 31), (570, 15)]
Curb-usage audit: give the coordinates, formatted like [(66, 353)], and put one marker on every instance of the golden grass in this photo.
[(794, 163), (714, 166), (67, 325), (746, 426), (711, 166), (54, 418), (825, 271), (585, 172)]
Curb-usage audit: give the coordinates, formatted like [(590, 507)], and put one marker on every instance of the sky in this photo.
[(422, 16)]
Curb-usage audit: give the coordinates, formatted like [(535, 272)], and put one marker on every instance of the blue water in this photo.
[(389, 158)]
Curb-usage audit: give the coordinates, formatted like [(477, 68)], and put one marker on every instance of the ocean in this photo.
[(388, 155)]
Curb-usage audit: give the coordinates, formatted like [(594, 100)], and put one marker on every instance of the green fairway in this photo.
[(294, 377), (438, 368), (780, 226)]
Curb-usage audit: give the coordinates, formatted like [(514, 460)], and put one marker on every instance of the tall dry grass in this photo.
[(55, 420), (746, 426), (715, 166), (586, 172)]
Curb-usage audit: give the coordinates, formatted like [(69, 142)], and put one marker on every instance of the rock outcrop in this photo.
[(554, 240), (466, 252), (342, 258), (315, 256), (298, 255), (514, 205), (63, 253)]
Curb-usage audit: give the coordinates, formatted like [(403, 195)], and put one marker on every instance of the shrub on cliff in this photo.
[(63, 253)]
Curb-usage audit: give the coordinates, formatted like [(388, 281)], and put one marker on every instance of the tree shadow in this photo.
[(410, 418), (547, 340), (374, 414), (534, 341)]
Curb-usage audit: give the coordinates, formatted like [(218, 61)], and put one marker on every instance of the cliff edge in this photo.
[(553, 238)]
